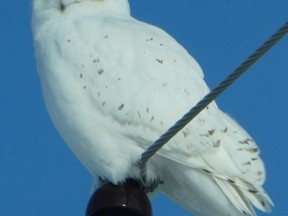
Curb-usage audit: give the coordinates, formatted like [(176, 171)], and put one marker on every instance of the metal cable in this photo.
[(159, 143)]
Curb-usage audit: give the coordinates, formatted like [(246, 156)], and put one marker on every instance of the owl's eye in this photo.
[(62, 6)]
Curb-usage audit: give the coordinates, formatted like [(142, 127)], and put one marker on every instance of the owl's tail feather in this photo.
[(235, 195), (255, 195), (205, 194)]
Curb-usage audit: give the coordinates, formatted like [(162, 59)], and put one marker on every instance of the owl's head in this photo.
[(63, 5)]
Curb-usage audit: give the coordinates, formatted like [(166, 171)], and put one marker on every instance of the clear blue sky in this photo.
[(38, 173)]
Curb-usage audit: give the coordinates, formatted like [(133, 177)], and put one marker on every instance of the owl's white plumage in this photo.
[(113, 85)]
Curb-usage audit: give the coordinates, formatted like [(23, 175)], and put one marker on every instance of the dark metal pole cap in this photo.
[(127, 199)]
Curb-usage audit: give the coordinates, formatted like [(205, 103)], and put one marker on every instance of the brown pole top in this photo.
[(127, 199)]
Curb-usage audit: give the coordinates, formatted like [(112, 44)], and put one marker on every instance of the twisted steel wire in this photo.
[(172, 131)]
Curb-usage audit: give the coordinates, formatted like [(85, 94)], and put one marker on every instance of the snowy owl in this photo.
[(112, 85)]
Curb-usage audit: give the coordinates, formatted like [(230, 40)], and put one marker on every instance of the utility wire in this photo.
[(171, 132)]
